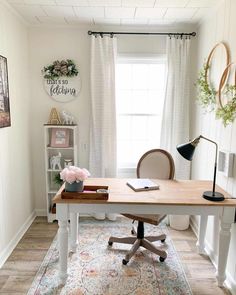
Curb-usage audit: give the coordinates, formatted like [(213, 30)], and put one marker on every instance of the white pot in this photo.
[(111, 216), (99, 216), (179, 222)]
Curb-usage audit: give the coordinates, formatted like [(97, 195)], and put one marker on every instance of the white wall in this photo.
[(218, 27), (47, 45), (16, 199)]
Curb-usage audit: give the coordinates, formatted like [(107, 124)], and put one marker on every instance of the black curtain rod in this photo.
[(140, 33)]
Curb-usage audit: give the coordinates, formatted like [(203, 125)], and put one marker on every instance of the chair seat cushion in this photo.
[(148, 218)]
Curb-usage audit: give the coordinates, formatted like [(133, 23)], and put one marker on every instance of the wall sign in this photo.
[(62, 81)]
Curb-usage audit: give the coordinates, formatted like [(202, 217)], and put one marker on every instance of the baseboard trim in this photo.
[(41, 212), (13, 243), (229, 282)]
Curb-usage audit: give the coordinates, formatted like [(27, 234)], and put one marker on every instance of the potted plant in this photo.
[(74, 178)]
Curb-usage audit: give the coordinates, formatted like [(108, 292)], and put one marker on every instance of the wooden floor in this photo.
[(18, 272)]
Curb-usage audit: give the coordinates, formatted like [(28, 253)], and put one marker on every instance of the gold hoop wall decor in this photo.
[(206, 93), (209, 59), (227, 111)]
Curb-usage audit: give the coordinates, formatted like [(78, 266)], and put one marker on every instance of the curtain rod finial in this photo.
[(89, 32), (194, 34)]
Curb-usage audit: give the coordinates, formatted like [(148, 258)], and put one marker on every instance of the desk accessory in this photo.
[(90, 192), (186, 150), (142, 184)]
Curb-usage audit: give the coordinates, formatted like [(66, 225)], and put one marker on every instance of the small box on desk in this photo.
[(90, 192)]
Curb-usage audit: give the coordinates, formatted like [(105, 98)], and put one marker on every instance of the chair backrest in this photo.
[(156, 163)]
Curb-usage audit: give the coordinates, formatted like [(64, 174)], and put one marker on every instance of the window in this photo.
[(140, 86)]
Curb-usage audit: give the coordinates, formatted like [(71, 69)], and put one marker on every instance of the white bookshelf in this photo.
[(69, 152)]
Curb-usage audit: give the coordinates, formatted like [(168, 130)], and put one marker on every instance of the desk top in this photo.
[(171, 192)]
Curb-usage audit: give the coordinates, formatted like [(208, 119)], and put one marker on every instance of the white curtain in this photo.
[(103, 156), (102, 159), (175, 122)]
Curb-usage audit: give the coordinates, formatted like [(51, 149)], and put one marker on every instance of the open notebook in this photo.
[(142, 184)]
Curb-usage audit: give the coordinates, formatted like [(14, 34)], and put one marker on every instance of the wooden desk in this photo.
[(174, 197)]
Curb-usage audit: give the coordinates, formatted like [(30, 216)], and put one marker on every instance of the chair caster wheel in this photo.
[(132, 232), (162, 259), (110, 243), (124, 261), (163, 241)]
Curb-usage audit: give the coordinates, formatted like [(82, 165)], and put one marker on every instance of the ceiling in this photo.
[(150, 13)]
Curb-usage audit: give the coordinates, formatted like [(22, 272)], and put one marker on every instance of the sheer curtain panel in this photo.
[(175, 120), (103, 156)]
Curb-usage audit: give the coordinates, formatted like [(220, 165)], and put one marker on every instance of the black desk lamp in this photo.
[(186, 150)]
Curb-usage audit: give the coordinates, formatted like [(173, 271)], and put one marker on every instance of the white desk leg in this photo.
[(201, 234), (73, 231), (62, 216), (226, 220)]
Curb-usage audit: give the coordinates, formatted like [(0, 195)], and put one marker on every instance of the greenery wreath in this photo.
[(227, 111), (59, 69), (207, 95)]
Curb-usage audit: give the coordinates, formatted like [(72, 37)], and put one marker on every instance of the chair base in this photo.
[(140, 241)]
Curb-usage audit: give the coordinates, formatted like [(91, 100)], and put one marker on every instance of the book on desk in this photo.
[(142, 184)]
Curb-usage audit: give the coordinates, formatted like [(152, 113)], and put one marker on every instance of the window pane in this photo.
[(140, 79), (140, 91), (123, 76)]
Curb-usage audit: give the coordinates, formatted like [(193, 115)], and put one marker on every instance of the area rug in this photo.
[(97, 269)]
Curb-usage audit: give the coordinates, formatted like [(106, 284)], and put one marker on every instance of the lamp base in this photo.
[(217, 197)]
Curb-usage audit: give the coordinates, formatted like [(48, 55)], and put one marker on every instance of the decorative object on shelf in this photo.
[(67, 118), (74, 178), (54, 117), (60, 137), (5, 118), (206, 92), (55, 161), (227, 109), (186, 150), (57, 179), (68, 162), (53, 209), (61, 80)]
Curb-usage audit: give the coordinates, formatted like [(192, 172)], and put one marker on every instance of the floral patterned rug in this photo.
[(97, 269)]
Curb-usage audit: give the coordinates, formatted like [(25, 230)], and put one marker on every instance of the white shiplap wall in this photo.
[(219, 26)]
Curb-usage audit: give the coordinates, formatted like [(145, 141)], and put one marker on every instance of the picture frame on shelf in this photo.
[(5, 118), (60, 138)]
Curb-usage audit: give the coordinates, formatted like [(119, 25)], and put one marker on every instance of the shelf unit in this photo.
[(69, 152)]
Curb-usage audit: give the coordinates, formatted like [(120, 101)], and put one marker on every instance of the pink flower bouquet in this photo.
[(74, 174)]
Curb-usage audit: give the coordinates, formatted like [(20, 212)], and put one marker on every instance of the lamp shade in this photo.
[(186, 150)]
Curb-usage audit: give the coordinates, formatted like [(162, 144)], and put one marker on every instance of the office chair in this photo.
[(156, 163)]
